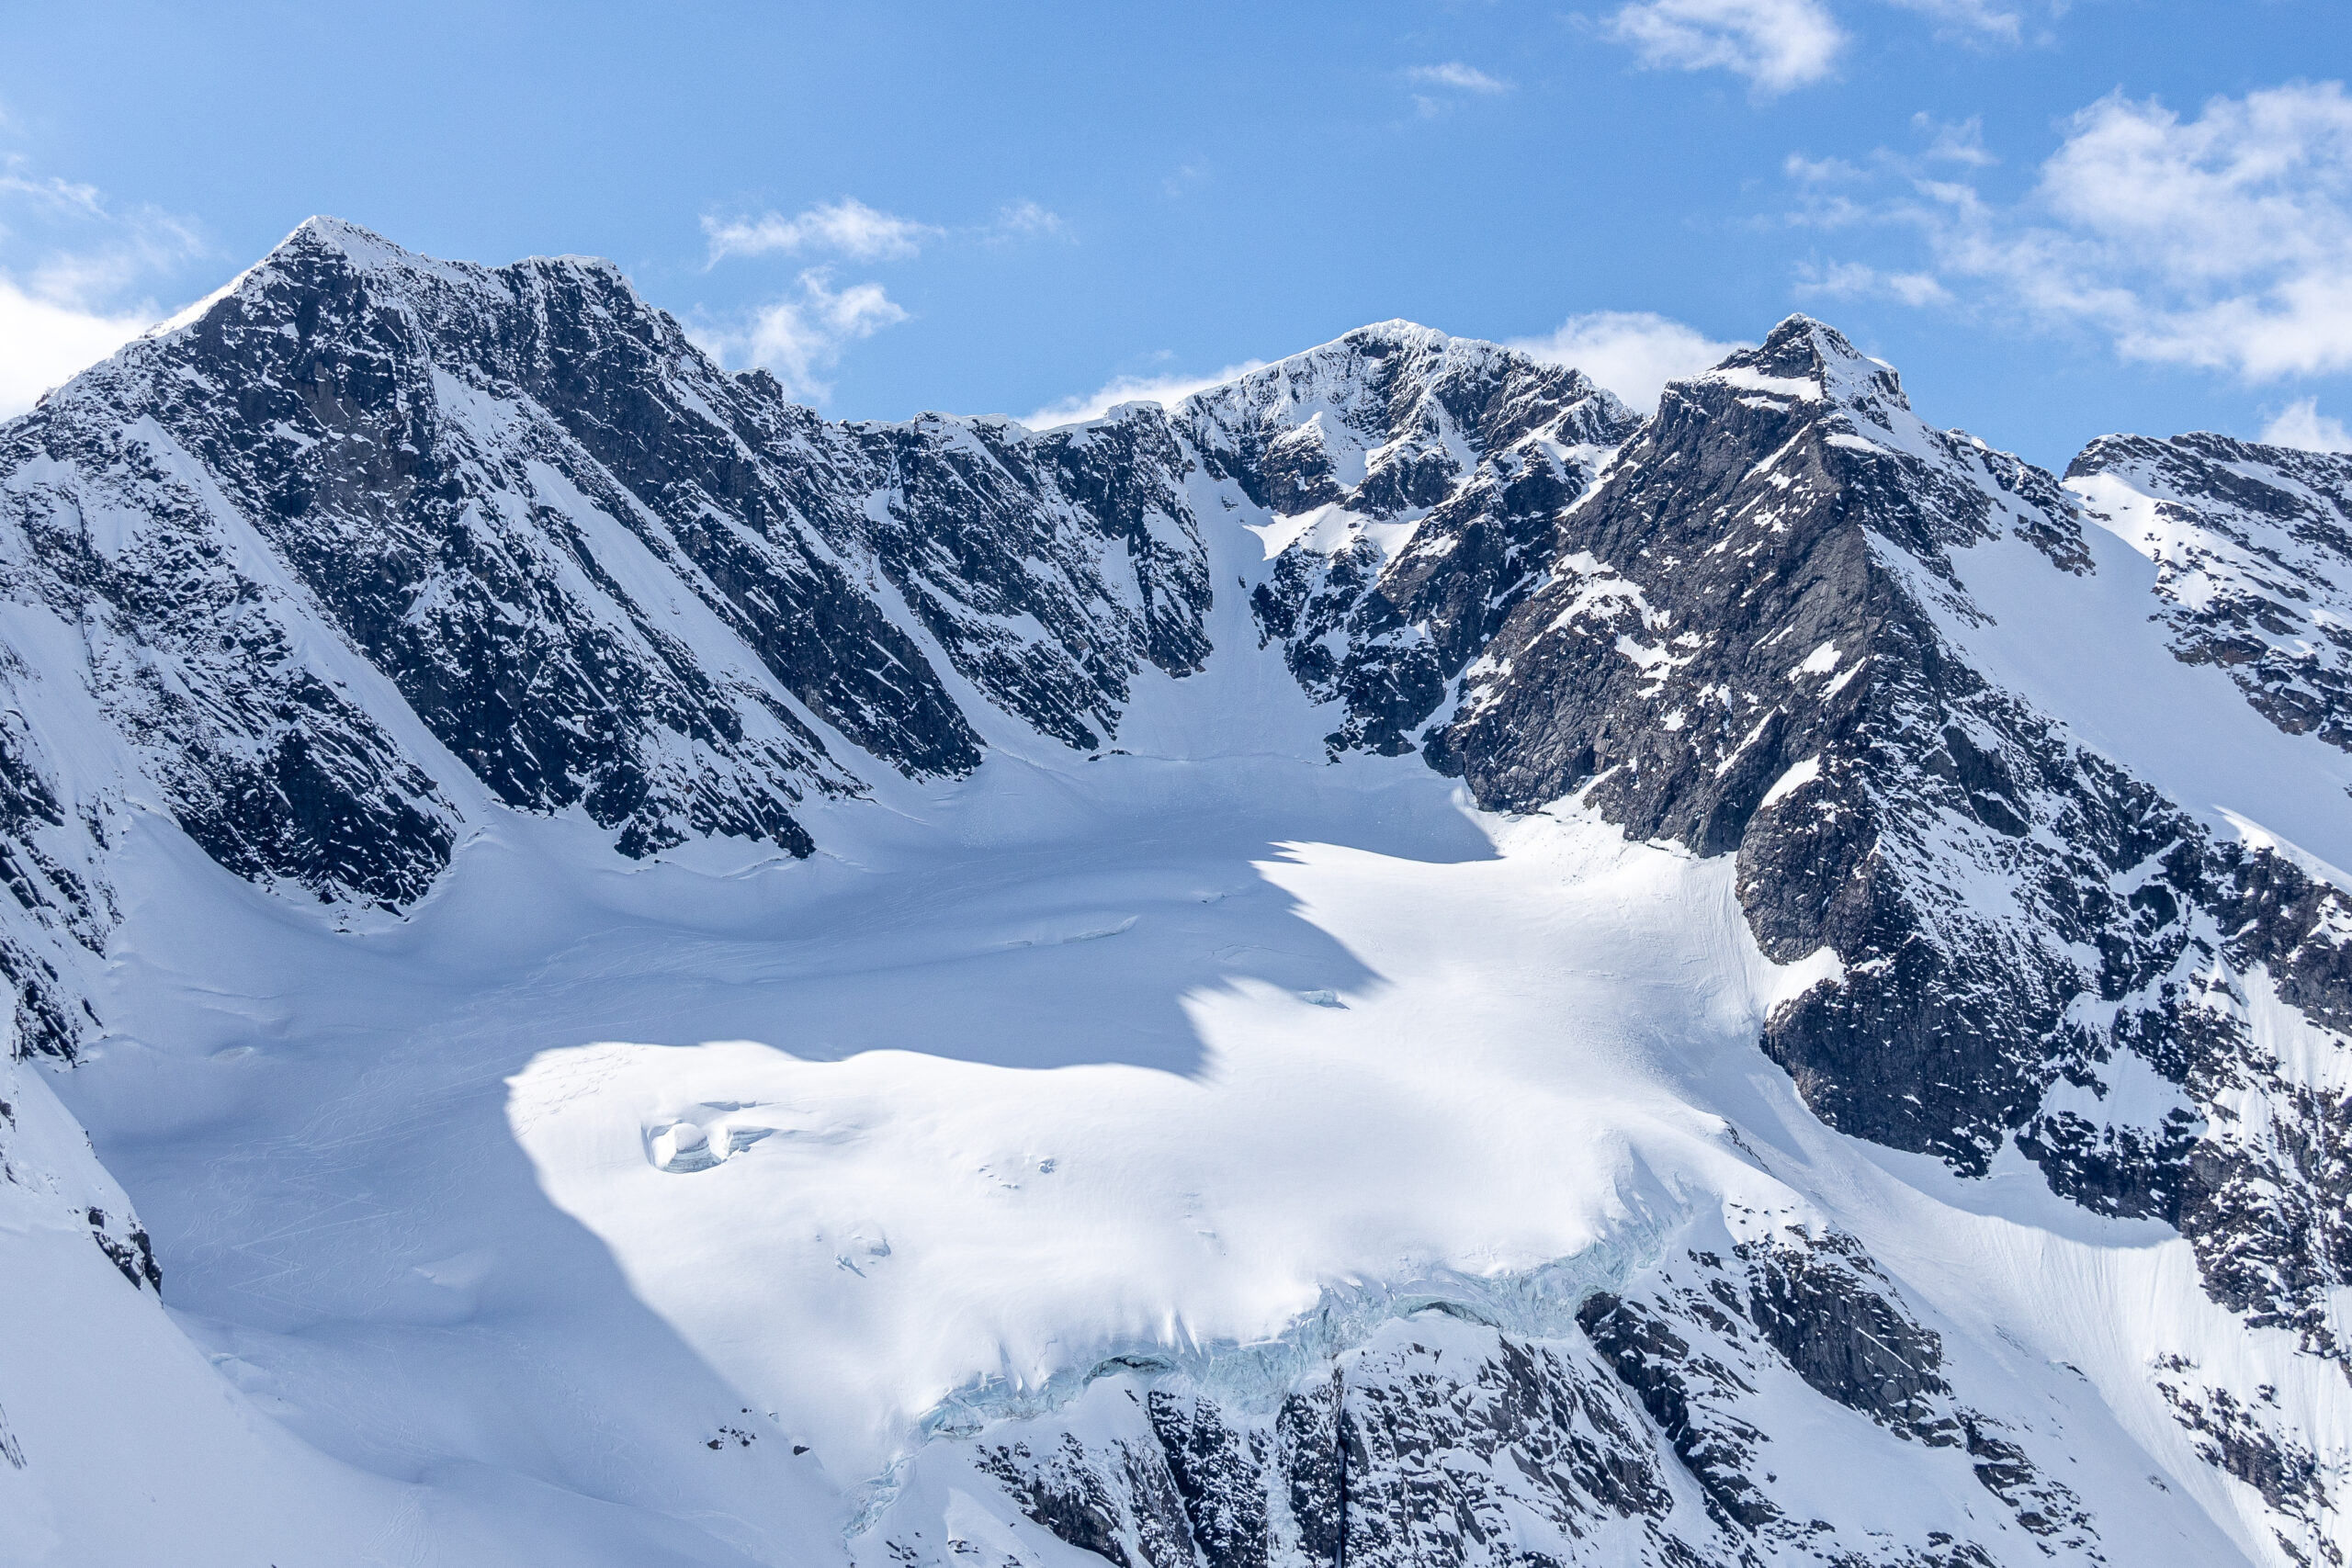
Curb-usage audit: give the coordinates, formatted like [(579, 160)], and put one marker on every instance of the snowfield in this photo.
[(1229, 1061), (943, 1019)]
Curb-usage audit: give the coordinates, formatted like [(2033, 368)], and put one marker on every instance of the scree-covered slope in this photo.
[(1390, 964)]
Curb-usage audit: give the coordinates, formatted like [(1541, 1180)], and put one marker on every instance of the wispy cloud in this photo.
[(2301, 424), (76, 277), (1954, 142), (847, 228), (1978, 19), (2224, 242), (1188, 176), (801, 336), (1822, 170), (1026, 220), (50, 343), (50, 191), (1782, 45), (1461, 77), (852, 231), (1633, 353), (1161, 390), (1854, 280), (1777, 45)]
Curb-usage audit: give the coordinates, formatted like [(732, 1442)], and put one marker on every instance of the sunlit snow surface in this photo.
[(977, 1120), (557, 1216)]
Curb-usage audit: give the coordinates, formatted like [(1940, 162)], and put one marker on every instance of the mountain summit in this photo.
[(1388, 963)]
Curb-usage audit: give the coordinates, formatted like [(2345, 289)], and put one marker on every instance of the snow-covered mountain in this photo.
[(1389, 964)]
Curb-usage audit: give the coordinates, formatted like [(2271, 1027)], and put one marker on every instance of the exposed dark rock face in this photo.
[(1461, 1446), (1445, 1464), (62, 910), (2251, 1160), (1746, 644), (1122, 1506), (1651, 1439), (1738, 649), (1683, 1394), (2244, 1439), (132, 1252), (373, 547), (1219, 1472), (1826, 1308), (1372, 430), (1709, 1343), (1311, 1454), (2253, 549)]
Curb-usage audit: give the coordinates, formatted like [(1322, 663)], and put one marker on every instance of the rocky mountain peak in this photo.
[(1802, 350), (1387, 418), (2253, 550), (363, 249), (374, 563)]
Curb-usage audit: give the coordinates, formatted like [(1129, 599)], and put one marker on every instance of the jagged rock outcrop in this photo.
[(2253, 549), (371, 549), (1417, 478), (1739, 649), (371, 540), (1663, 1429), (1745, 644)]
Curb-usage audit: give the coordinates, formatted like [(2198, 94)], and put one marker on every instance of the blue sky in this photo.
[(2057, 220)]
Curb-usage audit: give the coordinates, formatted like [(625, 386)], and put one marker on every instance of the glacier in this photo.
[(1389, 962)]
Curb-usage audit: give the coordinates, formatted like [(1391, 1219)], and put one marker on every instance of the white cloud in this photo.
[(50, 191), (1453, 73), (801, 337), (1633, 353), (1188, 176), (1024, 220), (2301, 424), (847, 227), (64, 307), (803, 334), (1161, 390), (1947, 141), (1776, 44), (1820, 171), (49, 343), (1853, 280), (1955, 142), (2224, 242), (1970, 18)]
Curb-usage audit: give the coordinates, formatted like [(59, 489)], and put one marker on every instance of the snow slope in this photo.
[(1057, 1074), (1074, 1088)]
